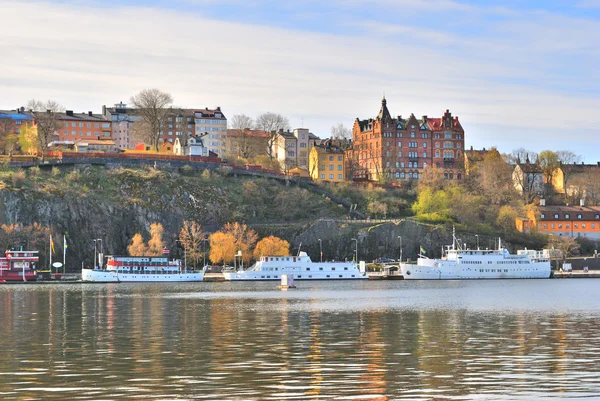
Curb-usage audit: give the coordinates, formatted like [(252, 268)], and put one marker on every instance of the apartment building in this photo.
[(213, 123)]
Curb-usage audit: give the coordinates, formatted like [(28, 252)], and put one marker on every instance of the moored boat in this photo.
[(141, 269), (301, 267), (459, 264), (18, 266)]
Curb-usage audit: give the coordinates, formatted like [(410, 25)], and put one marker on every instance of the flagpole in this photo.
[(50, 253)]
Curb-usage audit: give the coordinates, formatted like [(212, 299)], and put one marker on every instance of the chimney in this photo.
[(69, 113), (218, 108), (22, 109), (425, 118), (582, 202), (103, 110), (542, 202), (90, 113)]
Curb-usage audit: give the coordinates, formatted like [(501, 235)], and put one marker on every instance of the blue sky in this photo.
[(517, 73)]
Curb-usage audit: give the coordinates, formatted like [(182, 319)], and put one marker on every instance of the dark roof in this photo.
[(586, 212), (209, 113), (70, 116), (15, 115)]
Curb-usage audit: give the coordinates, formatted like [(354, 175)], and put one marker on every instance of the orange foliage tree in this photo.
[(155, 245), (244, 238), (222, 247), (271, 246)]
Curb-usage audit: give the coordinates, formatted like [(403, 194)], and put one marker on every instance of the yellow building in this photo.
[(327, 163)]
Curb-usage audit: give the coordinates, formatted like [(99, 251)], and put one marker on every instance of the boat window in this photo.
[(333, 268), (308, 268), (340, 275), (294, 258), (320, 268), (328, 276), (345, 268)]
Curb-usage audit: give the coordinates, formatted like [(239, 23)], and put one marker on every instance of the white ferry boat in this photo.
[(461, 264), (301, 267), (141, 269)]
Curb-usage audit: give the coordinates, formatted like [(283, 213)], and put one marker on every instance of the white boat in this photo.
[(459, 264), (141, 269), (301, 267)]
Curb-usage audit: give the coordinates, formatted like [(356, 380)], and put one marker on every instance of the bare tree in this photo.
[(241, 122), (340, 131), (153, 107), (521, 155), (567, 161), (46, 118), (271, 123), (191, 237)]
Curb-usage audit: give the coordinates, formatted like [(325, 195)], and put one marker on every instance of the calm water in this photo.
[(395, 340)]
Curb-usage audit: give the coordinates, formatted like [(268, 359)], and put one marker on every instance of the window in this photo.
[(331, 167), (556, 215), (543, 216), (322, 176), (339, 176), (330, 158), (579, 216), (399, 144), (448, 135), (331, 176), (399, 154), (412, 134), (340, 167), (424, 145), (339, 158), (567, 216)]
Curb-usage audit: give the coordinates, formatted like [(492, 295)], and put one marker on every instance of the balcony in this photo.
[(413, 158)]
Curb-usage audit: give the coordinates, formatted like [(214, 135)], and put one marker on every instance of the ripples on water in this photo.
[(471, 340)]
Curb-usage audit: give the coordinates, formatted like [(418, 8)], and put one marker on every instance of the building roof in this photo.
[(573, 212), (255, 133), (327, 148), (19, 114), (70, 116), (209, 113)]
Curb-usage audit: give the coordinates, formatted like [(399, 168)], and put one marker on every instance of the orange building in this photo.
[(568, 221), (78, 126), (398, 149)]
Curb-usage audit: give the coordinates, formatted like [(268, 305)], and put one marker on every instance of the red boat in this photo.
[(18, 266)]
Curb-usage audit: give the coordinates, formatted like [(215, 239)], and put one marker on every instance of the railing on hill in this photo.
[(130, 156)]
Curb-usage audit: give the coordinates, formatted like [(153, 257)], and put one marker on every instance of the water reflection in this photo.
[(357, 341)]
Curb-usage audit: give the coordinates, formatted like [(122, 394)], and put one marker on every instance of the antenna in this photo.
[(299, 246), (302, 124)]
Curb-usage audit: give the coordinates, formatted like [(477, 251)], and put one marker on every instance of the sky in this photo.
[(517, 73)]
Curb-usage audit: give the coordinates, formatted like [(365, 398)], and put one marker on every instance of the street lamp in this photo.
[(477, 236), (321, 249), (400, 238), (204, 240), (355, 250)]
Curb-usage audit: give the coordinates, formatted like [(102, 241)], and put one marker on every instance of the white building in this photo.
[(213, 123), (194, 147)]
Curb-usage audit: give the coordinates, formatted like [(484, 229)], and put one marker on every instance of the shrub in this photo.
[(206, 174), (34, 171), (18, 178), (55, 171)]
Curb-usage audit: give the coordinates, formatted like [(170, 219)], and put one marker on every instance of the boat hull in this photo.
[(105, 276), (252, 276), (416, 272), (16, 275)]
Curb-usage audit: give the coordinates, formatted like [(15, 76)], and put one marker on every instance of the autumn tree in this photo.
[(8, 137), (271, 246), (222, 247), (432, 178), (191, 237), (494, 178), (46, 117), (153, 107), (28, 139), (156, 243), (272, 123), (245, 238), (567, 160), (137, 246), (548, 161)]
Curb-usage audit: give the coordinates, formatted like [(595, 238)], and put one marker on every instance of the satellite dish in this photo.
[(57, 264)]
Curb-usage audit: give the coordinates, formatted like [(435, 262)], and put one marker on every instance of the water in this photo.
[(385, 340)]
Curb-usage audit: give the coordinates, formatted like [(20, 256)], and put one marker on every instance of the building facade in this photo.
[(122, 119), (292, 149), (568, 221), (327, 163), (398, 149), (213, 123), (81, 126), (246, 143)]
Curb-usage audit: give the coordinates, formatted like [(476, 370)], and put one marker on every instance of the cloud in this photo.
[(512, 72)]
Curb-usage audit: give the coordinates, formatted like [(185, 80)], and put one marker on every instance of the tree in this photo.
[(28, 139), (271, 246), (521, 155), (222, 247), (567, 161), (494, 178), (245, 238), (272, 123), (153, 107), (565, 245), (137, 246), (341, 132), (506, 219), (156, 243), (47, 123), (241, 122), (8, 138), (191, 237), (432, 178)]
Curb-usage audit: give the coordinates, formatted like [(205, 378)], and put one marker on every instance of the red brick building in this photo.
[(398, 149), (78, 126)]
